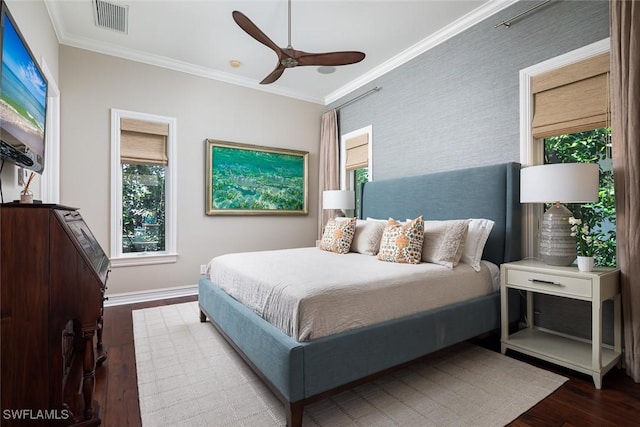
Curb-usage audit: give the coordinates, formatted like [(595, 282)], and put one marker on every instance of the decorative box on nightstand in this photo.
[(589, 357)]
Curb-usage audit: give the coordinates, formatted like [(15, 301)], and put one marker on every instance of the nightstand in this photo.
[(589, 357)]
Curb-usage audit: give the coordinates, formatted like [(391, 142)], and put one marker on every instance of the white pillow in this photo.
[(444, 241), (367, 238), (378, 220), (477, 236), (385, 221)]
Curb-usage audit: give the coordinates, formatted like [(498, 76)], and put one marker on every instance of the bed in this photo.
[(300, 372)]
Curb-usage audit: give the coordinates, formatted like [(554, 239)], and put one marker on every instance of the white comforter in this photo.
[(309, 293)]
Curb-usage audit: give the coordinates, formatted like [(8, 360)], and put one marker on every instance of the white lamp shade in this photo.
[(560, 182), (338, 199)]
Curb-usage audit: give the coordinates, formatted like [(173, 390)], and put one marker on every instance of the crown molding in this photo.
[(161, 61), (486, 10), (183, 67), (475, 16)]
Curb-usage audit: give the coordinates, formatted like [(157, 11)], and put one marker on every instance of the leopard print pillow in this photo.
[(402, 243), (338, 235)]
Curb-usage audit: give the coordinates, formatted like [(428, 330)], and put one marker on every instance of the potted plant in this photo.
[(585, 246)]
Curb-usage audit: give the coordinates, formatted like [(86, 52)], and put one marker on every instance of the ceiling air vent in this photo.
[(110, 15)]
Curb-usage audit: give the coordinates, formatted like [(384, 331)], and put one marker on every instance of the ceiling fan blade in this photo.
[(252, 29), (289, 57), (330, 58), (275, 75)]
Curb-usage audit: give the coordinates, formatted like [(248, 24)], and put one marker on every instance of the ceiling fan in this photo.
[(289, 57)]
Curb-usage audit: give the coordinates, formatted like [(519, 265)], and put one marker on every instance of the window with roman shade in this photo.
[(143, 189), (355, 161), (357, 152), (572, 99), (143, 142)]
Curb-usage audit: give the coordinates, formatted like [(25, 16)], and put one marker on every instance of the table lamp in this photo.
[(559, 183), (339, 199)]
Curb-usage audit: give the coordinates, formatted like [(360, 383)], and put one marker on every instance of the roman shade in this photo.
[(143, 142), (357, 149), (571, 99)]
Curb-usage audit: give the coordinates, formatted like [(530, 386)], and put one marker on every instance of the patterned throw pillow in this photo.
[(337, 236), (402, 242), (444, 241)]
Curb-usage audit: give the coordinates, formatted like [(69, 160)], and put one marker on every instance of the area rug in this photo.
[(189, 376)]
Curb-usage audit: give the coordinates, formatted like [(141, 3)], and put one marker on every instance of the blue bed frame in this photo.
[(300, 373)]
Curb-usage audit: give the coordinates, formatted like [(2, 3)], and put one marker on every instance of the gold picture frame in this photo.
[(244, 179)]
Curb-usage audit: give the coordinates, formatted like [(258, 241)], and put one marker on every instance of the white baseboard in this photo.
[(151, 295)]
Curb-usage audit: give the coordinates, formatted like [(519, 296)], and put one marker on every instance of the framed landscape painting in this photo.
[(247, 179)]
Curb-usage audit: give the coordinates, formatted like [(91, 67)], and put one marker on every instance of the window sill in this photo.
[(143, 258)]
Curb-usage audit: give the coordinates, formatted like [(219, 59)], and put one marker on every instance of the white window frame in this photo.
[(347, 179), (531, 149), (170, 254)]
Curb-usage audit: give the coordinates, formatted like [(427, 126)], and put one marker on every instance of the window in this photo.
[(592, 146), (143, 207), (355, 161), (565, 118)]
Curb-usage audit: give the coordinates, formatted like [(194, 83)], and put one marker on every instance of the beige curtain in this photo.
[(329, 164), (625, 98)]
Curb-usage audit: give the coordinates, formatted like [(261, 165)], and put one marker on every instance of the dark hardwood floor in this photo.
[(576, 403)]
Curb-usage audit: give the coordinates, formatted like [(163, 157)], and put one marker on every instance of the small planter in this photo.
[(585, 263)]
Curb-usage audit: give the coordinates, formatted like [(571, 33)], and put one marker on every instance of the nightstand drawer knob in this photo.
[(545, 282)]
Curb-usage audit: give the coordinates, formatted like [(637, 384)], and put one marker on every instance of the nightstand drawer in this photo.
[(550, 283)]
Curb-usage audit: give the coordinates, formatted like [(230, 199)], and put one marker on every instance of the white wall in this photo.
[(33, 21), (91, 84)]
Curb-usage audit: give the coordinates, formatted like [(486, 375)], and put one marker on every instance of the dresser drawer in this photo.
[(549, 283)]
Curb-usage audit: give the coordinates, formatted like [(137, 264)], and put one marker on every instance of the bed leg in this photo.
[(203, 317), (294, 412)]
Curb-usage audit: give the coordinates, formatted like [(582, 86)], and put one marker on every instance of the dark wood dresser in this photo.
[(53, 276)]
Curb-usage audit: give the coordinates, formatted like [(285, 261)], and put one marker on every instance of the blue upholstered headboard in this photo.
[(491, 192)]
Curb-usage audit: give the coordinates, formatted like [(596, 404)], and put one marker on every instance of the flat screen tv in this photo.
[(23, 99)]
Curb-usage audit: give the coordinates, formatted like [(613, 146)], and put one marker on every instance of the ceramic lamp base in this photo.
[(557, 247)]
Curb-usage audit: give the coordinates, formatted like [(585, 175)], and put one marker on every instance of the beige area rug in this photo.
[(189, 376)]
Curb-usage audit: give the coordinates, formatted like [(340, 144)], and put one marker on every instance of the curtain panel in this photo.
[(329, 164), (625, 97)]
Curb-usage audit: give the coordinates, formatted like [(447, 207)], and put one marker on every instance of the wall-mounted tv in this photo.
[(23, 99)]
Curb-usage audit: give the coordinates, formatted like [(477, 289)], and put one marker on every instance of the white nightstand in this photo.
[(590, 357)]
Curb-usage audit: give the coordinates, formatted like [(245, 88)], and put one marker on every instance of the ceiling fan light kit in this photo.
[(326, 70), (289, 57)]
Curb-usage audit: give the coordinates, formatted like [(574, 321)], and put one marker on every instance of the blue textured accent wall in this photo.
[(457, 105)]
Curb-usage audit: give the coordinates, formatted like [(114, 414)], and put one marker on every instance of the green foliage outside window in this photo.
[(362, 176), (143, 208), (591, 147)]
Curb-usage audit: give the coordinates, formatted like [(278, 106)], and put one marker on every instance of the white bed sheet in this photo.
[(309, 293)]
